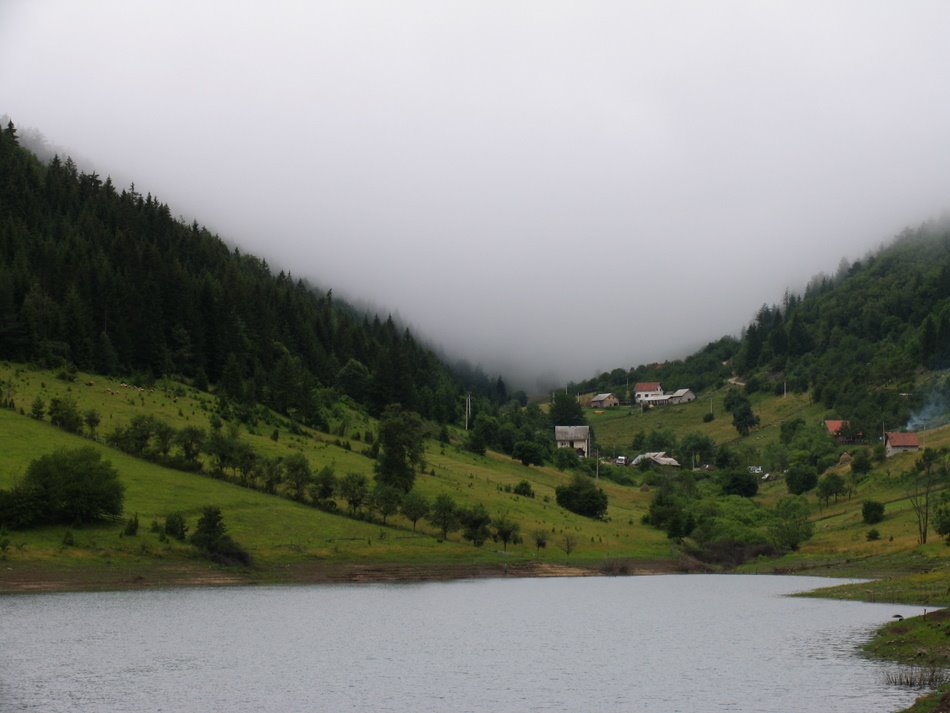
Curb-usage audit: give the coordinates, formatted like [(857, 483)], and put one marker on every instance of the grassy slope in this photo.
[(615, 428), (278, 531)]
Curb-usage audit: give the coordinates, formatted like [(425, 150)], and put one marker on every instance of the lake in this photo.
[(654, 644)]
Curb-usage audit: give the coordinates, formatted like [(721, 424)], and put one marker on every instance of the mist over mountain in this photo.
[(541, 193)]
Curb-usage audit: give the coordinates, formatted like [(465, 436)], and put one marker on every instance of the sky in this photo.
[(548, 189)]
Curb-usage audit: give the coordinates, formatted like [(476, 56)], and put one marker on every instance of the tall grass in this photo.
[(917, 677)]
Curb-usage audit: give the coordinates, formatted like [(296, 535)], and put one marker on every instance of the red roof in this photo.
[(648, 386), (902, 440), (835, 426)]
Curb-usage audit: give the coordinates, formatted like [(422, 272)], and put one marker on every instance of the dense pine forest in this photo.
[(869, 342), (106, 280)]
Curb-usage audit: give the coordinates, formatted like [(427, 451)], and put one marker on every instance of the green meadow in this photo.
[(278, 531)]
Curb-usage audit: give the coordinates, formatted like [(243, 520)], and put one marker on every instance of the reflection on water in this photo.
[(664, 644)]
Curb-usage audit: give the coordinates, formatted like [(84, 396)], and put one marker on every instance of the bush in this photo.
[(211, 536), (741, 483), (175, 525), (873, 534), (68, 486), (131, 526), (583, 497), (801, 478), (872, 512), (64, 413), (565, 459), (524, 489)]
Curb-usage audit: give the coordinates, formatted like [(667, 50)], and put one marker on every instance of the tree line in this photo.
[(856, 339), (107, 281)]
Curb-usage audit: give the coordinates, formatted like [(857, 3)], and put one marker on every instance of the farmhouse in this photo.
[(576, 437), (841, 431), (834, 427), (646, 389), (896, 442), (604, 401), (682, 396), (653, 398)]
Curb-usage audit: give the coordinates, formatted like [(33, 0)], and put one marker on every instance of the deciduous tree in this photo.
[(401, 447), (414, 507), (444, 514)]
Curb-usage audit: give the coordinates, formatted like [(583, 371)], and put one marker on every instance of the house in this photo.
[(682, 396), (576, 437), (895, 442), (645, 389), (658, 457), (834, 427), (604, 401), (841, 431)]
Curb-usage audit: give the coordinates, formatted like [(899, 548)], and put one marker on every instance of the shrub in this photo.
[(211, 536), (873, 534), (565, 458), (524, 488), (583, 497), (175, 525), (738, 482), (872, 512), (131, 526), (801, 478), (68, 486), (64, 413)]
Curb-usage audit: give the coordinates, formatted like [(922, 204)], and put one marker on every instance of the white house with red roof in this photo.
[(896, 442), (647, 390)]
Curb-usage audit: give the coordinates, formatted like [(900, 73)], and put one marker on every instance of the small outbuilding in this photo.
[(682, 396), (604, 401)]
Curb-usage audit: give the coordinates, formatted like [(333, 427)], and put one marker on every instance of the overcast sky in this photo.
[(545, 188)]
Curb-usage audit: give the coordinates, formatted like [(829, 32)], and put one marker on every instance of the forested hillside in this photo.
[(868, 342), (106, 280)]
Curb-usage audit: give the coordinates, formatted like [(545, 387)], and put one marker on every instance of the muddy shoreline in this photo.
[(32, 578)]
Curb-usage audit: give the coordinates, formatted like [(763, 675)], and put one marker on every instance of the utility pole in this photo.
[(468, 408)]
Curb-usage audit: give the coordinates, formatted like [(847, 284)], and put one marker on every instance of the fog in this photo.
[(545, 188)]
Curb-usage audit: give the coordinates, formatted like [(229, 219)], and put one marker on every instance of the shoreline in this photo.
[(48, 578)]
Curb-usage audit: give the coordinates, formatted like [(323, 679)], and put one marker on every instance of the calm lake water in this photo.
[(696, 643)]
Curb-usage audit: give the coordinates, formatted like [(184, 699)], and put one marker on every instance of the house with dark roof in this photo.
[(896, 442)]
